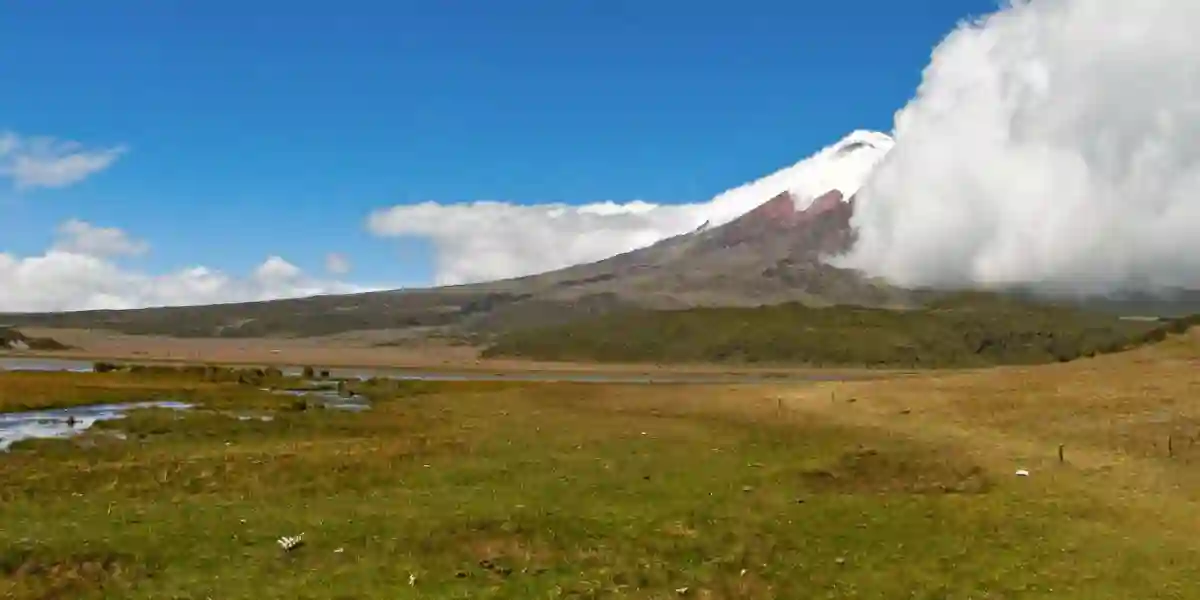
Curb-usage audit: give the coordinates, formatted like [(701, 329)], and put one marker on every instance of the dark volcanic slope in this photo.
[(767, 256)]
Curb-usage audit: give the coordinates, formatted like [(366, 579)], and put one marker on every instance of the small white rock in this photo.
[(1022, 473)]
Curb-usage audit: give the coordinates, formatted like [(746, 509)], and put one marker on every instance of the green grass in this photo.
[(968, 330), (551, 490)]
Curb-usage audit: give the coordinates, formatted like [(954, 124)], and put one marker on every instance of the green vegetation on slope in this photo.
[(558, 491), (961, 331)]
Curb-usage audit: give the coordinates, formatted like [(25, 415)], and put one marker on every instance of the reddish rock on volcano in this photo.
[(822, 228)]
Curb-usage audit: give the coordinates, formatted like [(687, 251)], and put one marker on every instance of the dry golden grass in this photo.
[(1128, 424)]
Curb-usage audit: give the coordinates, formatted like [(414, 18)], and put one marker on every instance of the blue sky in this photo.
[(263, 128)]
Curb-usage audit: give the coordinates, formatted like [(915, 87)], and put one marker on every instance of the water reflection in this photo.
[(44, 364)]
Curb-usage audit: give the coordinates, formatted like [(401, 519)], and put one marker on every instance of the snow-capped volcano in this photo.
[(758, 243), (843, 166), (762, 242)]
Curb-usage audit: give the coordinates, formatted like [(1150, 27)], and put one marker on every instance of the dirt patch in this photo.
[(500, 548), (867, 470), (503, 555), (40, 574)]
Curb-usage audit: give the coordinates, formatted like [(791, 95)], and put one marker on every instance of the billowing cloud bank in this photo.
[(1054, 143), (84, 269), (81, 271)]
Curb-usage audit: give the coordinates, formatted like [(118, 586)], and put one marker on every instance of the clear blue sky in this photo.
[(263, 127)]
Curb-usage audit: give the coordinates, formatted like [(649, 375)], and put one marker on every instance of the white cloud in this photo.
[(1055, 142), (78, 275), (480, 241), (81, 237), (33, 162), (337, 264), (277, 270)]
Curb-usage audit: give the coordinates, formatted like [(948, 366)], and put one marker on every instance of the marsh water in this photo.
[(60, 423), (330, 399), (67, 422)]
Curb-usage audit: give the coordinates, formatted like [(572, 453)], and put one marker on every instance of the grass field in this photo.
[(876, 489)]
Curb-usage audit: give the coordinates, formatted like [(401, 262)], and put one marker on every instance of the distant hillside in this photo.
[(965, 330)]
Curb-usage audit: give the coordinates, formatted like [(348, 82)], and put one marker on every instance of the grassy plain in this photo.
[(876, 489)]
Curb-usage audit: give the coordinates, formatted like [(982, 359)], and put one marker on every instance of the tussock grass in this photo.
[(559, 490)]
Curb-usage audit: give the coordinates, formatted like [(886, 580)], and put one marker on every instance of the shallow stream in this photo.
[(60, 423)]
